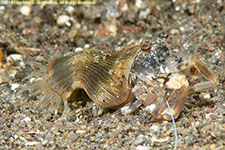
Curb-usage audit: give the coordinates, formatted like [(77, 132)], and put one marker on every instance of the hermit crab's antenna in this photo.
[(174, 125)]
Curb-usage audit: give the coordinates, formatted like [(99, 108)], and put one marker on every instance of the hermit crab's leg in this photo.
[(66, 109), (203, 70), (181, 87), (195, 66), (131, 107), (176, 100)]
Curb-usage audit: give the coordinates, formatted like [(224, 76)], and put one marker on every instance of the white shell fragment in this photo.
[(80, 131), (154, 128), (31, 143), (78, 49), (144, 13), (63, 19), (14, 86), (140, 4), (25, 10), (159, 140), (70, 9)]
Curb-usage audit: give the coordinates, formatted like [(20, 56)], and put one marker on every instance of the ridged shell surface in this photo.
[(102, 74)]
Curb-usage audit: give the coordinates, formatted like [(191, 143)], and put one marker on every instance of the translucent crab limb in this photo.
[(181, 89), (195, 66), (66, 109), (127, 109), (208, 74), (176, 99)]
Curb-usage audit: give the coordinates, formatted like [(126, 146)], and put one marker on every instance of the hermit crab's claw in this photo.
[(176, 99), (181, 89), (208, 74)]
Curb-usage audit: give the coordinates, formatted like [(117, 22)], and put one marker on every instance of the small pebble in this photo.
[(31, 143), (14, 86), (80, 131), (77, 26), (139, 4), (144, 13), (124, 8), (112, 28), (72, 33), (100, 112), (141, 139), (112, 12), (195, 113), (177, 8), (26, 31), (25, 10), (2, 8), (174, 31), (143, 148), (27, 119), (207, 116), (182, 29), (159, 140), (44, 142), (86, 46), (207, 96), (78, 49), (63, 19), (70, 9), (154, 128)]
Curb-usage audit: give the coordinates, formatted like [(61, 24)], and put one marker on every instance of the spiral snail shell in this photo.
[(111, 79)]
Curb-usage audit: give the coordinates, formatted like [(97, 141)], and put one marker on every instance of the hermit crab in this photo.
[(146, 73)]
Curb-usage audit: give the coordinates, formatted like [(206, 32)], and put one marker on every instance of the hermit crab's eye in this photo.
[(162, 51), (163, 35)]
